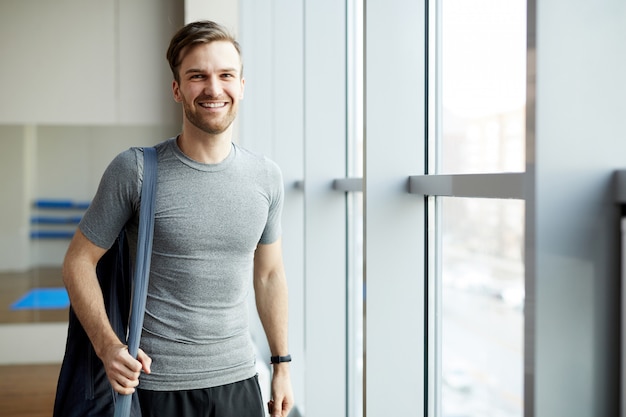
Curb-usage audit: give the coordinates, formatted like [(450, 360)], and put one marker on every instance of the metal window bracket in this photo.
[(504, 185), (354, 184)]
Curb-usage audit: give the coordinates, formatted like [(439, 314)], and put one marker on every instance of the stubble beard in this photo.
[(210, 124)]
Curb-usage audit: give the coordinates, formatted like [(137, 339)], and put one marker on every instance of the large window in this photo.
[(477, 90)]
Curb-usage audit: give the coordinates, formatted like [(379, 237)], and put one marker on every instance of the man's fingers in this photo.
[(278, 407), (145, 360), (124, 386), (124, 380), (123, 370)]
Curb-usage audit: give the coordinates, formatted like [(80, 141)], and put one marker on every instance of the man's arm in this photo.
[(79, 276), (270, 287)]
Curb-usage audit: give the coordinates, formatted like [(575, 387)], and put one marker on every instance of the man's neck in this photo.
[(205, 148)]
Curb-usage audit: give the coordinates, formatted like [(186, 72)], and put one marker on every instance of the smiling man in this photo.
[(217, 225), (209, 84)]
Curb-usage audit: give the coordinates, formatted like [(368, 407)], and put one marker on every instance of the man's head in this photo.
[(193, 34), (206, 64)]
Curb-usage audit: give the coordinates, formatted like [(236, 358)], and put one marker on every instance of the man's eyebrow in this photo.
[(198, 70)]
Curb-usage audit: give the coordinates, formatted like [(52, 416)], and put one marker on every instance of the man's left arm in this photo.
[(270, 287)]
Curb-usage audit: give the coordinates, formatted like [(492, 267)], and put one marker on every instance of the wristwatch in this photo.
[(279, 359)]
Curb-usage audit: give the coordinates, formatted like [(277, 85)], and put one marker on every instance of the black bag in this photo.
[(83, 389)]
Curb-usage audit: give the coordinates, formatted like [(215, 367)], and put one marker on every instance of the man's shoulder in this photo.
[(131, 159), (123, 163)]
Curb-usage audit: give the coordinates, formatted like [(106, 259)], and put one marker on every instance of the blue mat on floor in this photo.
[(43, 299)]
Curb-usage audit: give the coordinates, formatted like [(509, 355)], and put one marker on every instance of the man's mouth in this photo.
[(213, 105)]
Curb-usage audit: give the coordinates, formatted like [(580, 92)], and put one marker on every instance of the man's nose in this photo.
[(212, 87)]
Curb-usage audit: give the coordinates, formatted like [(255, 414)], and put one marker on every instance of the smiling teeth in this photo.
[(212, 105)]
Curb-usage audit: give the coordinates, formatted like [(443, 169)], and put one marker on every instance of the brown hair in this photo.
[(203, 31)]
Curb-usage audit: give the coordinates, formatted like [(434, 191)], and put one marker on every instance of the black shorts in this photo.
[(240, 399)]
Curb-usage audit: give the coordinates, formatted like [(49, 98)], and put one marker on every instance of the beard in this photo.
[(212, 124)]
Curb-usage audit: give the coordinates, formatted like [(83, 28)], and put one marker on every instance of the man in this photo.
[(217, 223)]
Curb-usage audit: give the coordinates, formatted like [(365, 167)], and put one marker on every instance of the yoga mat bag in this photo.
[(83, 389)]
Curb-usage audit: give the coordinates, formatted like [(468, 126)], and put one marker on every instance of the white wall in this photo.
[(225, 12), (86, 62), (81, 81)]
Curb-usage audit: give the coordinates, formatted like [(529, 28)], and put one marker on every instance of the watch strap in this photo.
[(280, 359)]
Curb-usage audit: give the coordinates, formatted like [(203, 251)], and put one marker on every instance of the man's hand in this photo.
[(122, 369), (282, 394)]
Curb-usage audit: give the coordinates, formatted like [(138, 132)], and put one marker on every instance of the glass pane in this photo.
[(356, 302), (482, 86), (482, 307), (356, 293)]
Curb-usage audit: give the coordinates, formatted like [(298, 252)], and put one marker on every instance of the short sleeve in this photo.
[(273, 228), (116, 201)]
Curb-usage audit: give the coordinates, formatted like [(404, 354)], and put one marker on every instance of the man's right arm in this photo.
[(79, 276)]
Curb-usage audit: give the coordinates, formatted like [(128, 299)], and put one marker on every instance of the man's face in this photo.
[(210, 85)]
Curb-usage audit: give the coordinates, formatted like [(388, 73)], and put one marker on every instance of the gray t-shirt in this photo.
[(209, 219)]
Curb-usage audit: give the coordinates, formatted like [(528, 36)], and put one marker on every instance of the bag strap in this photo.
[(142, 264)]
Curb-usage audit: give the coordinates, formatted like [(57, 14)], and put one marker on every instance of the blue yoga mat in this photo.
[(43, 299)]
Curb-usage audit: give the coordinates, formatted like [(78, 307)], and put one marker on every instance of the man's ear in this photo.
[(243, 82), (176, 91)]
